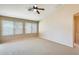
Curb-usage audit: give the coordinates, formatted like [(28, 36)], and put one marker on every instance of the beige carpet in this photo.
[(35, 46)]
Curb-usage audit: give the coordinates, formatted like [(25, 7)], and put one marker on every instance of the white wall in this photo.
[(58, 26)]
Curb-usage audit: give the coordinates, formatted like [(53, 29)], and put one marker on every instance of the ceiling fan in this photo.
[(36, 8)]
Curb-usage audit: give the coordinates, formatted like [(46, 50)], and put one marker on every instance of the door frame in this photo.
[(74, 27)]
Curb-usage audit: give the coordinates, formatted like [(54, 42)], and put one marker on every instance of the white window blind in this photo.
[(34, 27), (12, 27), (28, 28), (7, 27), (18, 26)]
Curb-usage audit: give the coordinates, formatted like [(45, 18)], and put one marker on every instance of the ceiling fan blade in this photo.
[(38, 12), (30, 9), (41, 9)]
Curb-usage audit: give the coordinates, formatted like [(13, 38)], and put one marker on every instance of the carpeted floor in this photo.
[(36, 46)]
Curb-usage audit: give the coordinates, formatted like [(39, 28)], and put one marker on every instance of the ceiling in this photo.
[(21, 11)]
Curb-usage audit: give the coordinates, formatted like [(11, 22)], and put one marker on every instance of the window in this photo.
[(7, 27), (11, 27), (34, 27), (18, 26), (28, 27)]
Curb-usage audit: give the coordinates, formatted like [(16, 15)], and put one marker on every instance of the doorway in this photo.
[(76, 30)]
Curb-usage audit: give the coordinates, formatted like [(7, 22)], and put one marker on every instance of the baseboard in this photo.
[(57, 42)]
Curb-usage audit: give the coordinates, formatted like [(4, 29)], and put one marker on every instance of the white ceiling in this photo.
[(21, 11)]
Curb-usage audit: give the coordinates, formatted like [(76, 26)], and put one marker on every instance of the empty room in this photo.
[(39, 29)]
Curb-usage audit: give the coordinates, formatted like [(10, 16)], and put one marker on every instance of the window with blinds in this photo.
[(28, 28), (11, 27), (18, 27), (7, 27), (34, 27)]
